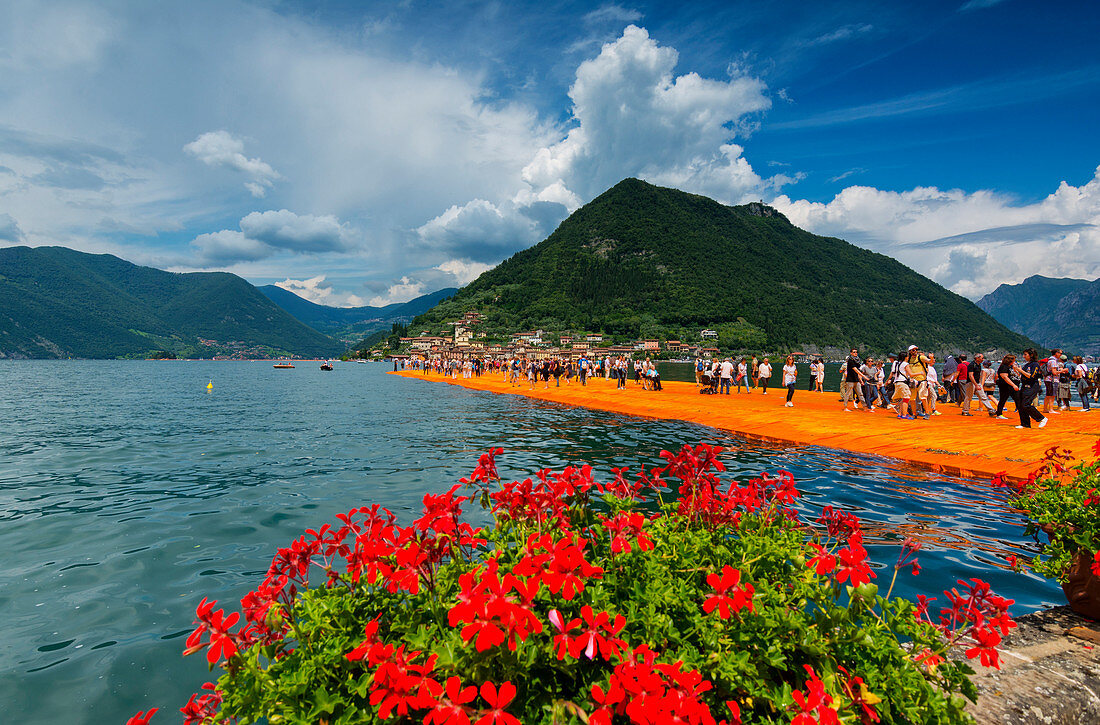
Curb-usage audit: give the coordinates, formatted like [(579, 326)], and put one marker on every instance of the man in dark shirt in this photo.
[(852, 389)]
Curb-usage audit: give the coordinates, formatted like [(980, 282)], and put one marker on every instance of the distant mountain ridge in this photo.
[(333, 319), (642, 260), (57, 302), (1054, 312)]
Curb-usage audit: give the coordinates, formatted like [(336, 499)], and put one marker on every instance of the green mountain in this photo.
[(352, 320), (57, 302), (641, 260), (1061, 313)]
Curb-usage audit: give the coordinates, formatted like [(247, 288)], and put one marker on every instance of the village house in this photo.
[(708, 351), (708, 334)]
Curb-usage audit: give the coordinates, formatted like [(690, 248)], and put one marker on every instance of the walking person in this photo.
[(755, 372), (1050, 371), (742, 375), (1008, 385), (950, 377), (975, 387), (790, 377), (933, 384), (851, 379), (867, 381), (725, 376), (819, 376), (764, 374), (1029, 390), (1081, 380)]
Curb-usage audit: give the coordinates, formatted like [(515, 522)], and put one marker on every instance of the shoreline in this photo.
[(976, 447)]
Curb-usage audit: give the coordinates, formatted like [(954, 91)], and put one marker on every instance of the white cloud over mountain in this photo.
[(264, 234), (315, 290), (220, 148), (407, 173), (969, 242)]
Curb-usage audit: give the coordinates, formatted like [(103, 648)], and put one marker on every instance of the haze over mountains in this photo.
[(642, 260), (1061, 313), (351, 320)]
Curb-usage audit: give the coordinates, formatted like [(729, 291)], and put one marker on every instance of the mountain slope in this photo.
[(331, 319), (1055, 312), (57, 302), (642, 259)]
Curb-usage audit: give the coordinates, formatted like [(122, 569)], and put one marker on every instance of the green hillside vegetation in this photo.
[(646, 261), (1061, 313), (57, 302)]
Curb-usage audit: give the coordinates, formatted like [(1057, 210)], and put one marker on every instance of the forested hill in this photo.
[(1061, 313), (645, 260), (57, 302)]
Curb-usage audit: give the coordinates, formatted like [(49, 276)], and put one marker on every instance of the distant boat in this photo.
[(282, 366), (326, 365)]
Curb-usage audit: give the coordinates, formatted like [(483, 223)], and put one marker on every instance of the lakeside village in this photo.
[(467, 341)]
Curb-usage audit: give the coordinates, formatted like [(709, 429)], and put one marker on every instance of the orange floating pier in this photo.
[(978, 446)]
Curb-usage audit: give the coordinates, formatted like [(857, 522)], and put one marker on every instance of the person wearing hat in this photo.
[(918, 373)]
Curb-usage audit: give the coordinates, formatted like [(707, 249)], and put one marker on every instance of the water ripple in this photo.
[(127, 493)]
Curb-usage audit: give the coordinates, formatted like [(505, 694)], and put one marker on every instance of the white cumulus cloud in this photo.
[(634, 117), (265, 234), (970, 242), (220, 148), (402, 291), (463, 272), (315, 290)]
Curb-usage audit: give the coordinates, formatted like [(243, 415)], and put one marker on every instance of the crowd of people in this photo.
[(909, 384)]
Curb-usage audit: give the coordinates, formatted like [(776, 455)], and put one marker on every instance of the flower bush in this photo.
[(670, 597), (1062, 500)]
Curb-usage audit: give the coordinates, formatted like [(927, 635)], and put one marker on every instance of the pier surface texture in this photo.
[(977, 446)]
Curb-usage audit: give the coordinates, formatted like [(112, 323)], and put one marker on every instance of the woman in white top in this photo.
[(764, 374), (790, 375)]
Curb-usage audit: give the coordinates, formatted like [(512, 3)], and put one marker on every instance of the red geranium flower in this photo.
[(728, 582), (142, 718), (853, 564), (497, 699)]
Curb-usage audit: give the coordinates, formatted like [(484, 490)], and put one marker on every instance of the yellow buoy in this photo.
[(210, 385)]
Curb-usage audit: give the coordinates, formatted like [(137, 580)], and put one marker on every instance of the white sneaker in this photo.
[(790, 405), (1001, 417), (1022, 427), (1043, 422)]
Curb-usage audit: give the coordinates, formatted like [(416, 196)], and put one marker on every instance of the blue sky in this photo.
[(367, 152)]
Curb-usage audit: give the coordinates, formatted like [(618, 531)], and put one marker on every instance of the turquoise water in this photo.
[(128, 493)]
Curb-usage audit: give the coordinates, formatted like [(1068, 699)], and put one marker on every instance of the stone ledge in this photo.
[(1050, 673)]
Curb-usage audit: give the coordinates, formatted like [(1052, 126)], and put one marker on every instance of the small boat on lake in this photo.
[(282, 366), (326, 365)]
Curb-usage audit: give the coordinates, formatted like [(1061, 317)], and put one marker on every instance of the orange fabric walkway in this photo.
[(974, 447)]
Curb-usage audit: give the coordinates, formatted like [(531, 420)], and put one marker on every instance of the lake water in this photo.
[(128, 493)]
